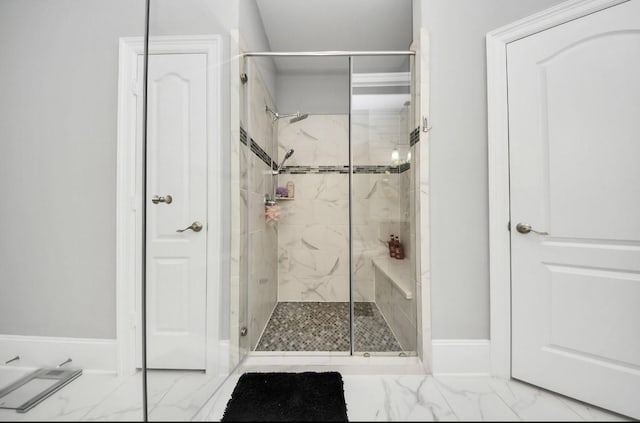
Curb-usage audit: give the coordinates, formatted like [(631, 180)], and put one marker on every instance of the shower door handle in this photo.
[(195, 227)]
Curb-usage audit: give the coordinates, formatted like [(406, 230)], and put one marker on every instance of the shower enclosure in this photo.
[(326, 197)]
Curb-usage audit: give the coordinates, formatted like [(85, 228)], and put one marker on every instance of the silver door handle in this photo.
[(195, 227), (525, 228), (158, 199)]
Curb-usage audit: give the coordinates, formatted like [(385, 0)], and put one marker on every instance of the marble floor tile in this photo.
[(185, 395), (534, 404), (72, 402), (395, 398), (124, 403), (173, 396), (213, 410), (472, 398), (432, 398), (592, 413), (531, 403)]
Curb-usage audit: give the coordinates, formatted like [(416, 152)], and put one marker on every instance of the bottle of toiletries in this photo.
[(400, 251), (391, 247), (290, 189)]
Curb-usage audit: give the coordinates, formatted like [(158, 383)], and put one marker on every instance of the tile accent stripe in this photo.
[(258, 151), (343, 169), (243, 136), (359, 169), (414, 137)]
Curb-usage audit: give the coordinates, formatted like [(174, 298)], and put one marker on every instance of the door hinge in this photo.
[(509, 226)]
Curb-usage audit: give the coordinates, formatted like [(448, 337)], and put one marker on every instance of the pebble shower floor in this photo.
[(324, 326)]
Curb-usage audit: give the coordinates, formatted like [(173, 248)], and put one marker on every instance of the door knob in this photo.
[(195, 227), (158, 199), (525, 228)]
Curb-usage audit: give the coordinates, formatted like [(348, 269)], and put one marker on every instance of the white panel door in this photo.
[(574, 139), (176, 166)]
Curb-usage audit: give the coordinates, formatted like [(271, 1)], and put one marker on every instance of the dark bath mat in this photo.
[(287, 397)]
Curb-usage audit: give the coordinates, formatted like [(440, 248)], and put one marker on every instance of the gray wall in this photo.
[(58, 81), (253, 33), (458, 166), (313, 93), (58, 108)]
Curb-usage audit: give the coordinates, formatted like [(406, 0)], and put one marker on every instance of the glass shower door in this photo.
[(190, 263), (382, 202)]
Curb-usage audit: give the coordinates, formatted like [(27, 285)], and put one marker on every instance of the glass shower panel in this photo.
[(63, 285), (382, 223), (259, 258), (299, 257), (192, 219)]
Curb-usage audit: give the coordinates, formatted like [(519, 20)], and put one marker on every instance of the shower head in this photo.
[(295, 117), (288, 154), (298, 117)]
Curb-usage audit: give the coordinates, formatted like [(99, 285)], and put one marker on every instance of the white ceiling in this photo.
[(356, 25)]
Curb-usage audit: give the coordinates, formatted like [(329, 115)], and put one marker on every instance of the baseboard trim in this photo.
[(461, 356), (100, 355)]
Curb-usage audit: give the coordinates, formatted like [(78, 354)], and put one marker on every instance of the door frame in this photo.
[(498, 165), (129, 220)]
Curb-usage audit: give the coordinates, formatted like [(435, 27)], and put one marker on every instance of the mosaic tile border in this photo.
[(257, 150), (357, 169), (341, 169), (414, 136), (263, 155), (243, 136)]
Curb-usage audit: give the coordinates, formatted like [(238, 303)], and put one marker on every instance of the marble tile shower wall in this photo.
[(262, 239), (313, 234), (382, 202)]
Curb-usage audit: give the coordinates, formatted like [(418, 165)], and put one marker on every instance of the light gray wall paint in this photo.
[(313, 93), (320, 92), (58, 108), (253, 33), (316, 25), (458, 158), (251, 26), (58, 111)]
